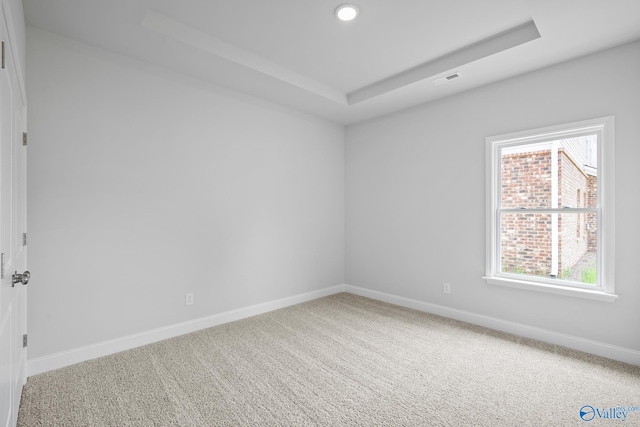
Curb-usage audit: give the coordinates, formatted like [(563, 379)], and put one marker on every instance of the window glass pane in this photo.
[(553, 174), (578, 172), (526, 176), (553, 245), (525, 242)]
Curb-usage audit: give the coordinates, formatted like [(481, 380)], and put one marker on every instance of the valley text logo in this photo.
[(616, 413)]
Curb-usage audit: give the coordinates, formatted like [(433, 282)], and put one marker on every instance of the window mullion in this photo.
[(548, 210)]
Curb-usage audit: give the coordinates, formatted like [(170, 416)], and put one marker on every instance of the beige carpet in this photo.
[(342, 360)]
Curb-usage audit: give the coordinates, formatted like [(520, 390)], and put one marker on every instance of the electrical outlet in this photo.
[(446, 288), (188, 298)]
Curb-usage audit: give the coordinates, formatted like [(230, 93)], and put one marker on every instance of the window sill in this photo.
[(552, 289)]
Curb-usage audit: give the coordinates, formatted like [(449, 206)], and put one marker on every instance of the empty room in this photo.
[(319, 213)]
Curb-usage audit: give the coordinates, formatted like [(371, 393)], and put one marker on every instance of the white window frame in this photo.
[(605, 287)]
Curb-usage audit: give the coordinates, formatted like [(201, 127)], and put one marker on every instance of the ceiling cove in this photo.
[(434, 68)]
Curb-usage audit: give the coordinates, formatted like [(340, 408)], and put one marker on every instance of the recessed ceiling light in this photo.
[(347, 12)]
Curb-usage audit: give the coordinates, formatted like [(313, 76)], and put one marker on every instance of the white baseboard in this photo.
[(81, 354), (621, 354)]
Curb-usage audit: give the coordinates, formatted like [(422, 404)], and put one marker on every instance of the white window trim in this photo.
[(606, 227)]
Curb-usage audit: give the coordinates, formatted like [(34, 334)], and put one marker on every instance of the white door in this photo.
[(13, 296)]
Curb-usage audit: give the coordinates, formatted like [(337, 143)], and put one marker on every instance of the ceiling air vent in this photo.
[(446, 79)]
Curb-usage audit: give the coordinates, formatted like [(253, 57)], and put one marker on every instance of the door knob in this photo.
[(21, 278)]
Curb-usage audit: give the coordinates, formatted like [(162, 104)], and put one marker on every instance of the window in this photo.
[(550, 220)]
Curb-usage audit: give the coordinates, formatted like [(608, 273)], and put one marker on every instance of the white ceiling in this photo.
[(296, 53)]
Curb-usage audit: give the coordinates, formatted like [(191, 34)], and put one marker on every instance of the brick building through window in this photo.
[(555, 174)]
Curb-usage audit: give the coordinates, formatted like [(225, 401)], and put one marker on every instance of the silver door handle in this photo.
[(21, 278)]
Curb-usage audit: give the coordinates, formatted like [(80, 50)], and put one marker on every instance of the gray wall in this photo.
[(415, 191), (144, 185), (17, 20)]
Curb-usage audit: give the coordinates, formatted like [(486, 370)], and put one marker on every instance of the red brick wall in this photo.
[(526, 180), (526, 238), (592, 201), (572, 183)]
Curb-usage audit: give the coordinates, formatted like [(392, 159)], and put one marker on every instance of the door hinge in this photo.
[(3, 55), (2, 266), (24, 340), (24, 138), (24, 239)]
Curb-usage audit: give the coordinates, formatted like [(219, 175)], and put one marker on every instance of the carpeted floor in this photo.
[(342, 360)]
